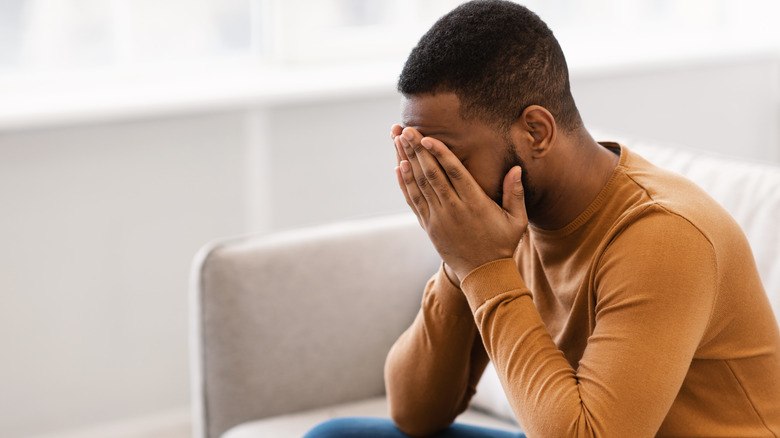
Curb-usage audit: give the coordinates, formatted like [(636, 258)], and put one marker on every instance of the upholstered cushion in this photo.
[(299, 423)]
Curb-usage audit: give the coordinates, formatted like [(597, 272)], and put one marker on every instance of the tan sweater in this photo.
[(643, 317)]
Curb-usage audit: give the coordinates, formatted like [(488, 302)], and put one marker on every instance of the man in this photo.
[(613, 298)]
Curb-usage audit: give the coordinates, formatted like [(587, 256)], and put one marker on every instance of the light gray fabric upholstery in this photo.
[(301, 319), (297, 424)]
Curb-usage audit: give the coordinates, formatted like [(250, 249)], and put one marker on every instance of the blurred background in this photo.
[(132, 132)]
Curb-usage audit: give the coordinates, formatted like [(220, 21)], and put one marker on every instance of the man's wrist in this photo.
[(445, 296), (450, 274)]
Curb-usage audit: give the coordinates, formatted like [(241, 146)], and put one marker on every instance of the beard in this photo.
[(511, 159)]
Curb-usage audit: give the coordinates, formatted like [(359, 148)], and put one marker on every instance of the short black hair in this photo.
[(498, 57)]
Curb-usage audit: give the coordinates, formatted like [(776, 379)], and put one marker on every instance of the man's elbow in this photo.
[(417, 422)]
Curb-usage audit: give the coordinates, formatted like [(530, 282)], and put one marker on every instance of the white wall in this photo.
[(98, 225), (324, 161), (729, 106), (99, 222)]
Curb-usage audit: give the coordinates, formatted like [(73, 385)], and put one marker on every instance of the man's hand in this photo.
[(395, 131), (466, 227)]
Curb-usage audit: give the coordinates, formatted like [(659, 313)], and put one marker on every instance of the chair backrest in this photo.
[(300, 319)]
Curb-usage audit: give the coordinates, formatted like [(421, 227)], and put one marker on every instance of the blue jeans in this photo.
[(365, 427)]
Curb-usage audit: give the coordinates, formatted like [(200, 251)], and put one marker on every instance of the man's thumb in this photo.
[(514, 196)]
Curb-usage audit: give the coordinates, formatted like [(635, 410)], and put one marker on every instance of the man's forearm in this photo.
[(433, 368)]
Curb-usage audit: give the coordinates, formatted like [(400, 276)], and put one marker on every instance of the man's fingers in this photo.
[(514, 194), (410, 140), (459, 178), (399, 152), (395, 131), (435, 176), (414, 196), (402, 185), (405, 176)]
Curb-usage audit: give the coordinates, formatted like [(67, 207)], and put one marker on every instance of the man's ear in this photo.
[(536, 129)]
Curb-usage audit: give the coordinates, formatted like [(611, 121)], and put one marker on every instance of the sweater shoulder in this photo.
[(666, 197)]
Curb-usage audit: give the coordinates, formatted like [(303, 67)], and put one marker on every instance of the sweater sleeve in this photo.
[(654, 288), (432, 370)]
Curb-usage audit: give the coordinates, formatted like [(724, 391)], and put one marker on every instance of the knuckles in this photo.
[(454, 172), (417, 200), (431, 174), (418, 147), (422, 182)]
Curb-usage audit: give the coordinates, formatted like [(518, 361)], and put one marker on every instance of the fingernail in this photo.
[(409, 135), (426, 143), (404, 166)]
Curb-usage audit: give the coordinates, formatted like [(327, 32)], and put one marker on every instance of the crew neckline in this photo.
[(594, 206)]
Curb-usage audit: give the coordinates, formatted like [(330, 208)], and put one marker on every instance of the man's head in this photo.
[(498, 58), (490, 80)]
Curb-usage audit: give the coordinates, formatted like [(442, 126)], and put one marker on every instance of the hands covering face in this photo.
[(465, 226)]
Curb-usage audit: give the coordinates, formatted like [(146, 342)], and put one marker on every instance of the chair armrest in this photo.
[(300, 319)]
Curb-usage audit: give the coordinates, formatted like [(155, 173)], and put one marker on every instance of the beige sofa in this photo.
[(290, 329)]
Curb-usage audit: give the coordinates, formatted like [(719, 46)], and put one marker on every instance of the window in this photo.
[(55, 35), (43, 35), (46, 35)]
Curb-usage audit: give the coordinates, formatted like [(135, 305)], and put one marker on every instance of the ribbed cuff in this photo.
[(492, 279)]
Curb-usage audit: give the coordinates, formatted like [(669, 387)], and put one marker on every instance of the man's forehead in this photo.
[(437, 112)]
